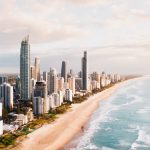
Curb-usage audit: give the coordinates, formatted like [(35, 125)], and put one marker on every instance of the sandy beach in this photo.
[(56, 135)]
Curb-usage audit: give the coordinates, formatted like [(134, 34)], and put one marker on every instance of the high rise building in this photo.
[(37, 69), (53, 81), (41, 91), (64, 71), (78, 84), (71, 83), (25, 69), (60, 82), (32, 86), (32, 69), (3, 79), (6, 95), (84, 72), (54, 100), (1, 121), (71, 72), (103, 79), (38, 105), (18, 85), (45, 76)]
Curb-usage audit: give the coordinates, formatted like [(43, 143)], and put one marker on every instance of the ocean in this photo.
[(122, 122)]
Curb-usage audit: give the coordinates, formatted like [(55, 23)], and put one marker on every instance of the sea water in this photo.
[(122, 122)]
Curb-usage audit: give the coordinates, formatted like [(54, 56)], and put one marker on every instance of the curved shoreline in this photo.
[(56, 135)]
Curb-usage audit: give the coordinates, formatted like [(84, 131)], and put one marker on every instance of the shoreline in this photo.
[(56, 135)]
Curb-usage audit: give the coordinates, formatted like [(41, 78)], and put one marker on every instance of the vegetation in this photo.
[(9, 139), (61, 109)]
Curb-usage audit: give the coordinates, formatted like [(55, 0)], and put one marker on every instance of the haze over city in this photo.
[(115, 34)]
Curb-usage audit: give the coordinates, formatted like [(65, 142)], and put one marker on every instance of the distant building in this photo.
[(84, 72), (41, 91), (53, 81), (117, 78), (68, 95), (80, 74), (6, 95), (78, 84), (37, 69), (3, 79), (95, 76), (45, 77), (64, 71), (54, 101), (71, 72), (60, 83), (32, 86), (18, 88), (94, 85), (38, 105), (60, 93), (103, 80), (32, 70), (71, 82), (25, 69), (1, 121)]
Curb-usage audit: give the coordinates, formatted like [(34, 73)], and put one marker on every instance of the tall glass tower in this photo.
[(84, 72), (25, 69), (64, 70)]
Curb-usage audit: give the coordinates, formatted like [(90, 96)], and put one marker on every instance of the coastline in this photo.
[(56, 135)]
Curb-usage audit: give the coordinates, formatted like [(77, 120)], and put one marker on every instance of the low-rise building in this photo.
[(68, 95)]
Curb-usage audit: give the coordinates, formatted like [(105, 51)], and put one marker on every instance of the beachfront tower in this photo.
[(25, 69), (64, 71), (53, 81), (37, 69), (84, 72)]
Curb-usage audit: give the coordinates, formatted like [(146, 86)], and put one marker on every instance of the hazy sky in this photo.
[(116, 33)]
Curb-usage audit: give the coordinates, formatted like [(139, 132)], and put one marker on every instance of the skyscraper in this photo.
[(6, 95), (53, 81), (25, 69), (41, 91), (32, 72), (84, 72), (71, 82), (45, 77), (3, 79), (64, 71), (37, 69)]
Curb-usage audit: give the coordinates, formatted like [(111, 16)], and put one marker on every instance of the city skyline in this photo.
[(110, 31)]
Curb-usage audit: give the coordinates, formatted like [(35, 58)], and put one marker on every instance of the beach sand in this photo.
[(56, 135)]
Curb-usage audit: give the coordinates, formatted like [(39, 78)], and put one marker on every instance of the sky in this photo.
[(115, 33)]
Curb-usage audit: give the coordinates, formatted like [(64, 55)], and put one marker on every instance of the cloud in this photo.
[(90, 2), (41, 20), (111, 31)]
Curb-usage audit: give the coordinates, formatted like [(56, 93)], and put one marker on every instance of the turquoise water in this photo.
[(121, 123)]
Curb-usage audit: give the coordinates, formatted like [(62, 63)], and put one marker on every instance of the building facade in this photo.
[(53, 81), (84, 72), (41, 91), (37, 69), (64, 71), (25, 69), (6, 95), (68, 95), (38, 105)]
